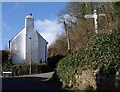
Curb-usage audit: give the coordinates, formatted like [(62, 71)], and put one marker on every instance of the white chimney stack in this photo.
[(29, 22)]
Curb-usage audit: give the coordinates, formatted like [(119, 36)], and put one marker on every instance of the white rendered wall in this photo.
[(42, 49), (25, 49), (31, 44), (17, 47)]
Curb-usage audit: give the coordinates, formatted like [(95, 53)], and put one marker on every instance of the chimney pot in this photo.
[(31, 14)]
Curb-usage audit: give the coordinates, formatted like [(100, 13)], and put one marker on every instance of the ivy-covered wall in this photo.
[(101, 54)]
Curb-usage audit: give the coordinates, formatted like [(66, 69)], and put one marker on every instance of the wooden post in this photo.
[(67, 34), (95, 16), (30, 55)]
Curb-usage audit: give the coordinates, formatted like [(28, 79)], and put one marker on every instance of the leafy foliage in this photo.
[(84, 28), (6, 60), (4, 54), (52, 61), (68, 66), (102, 52), (23, 69)]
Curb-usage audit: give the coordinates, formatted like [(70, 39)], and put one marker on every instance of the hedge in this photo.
[(5, 55), (102, 52), (23, 69), (69, 66), (6, 61)]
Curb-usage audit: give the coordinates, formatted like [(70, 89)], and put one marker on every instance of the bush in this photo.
[(102, 52), (68, 67), (6, 60), (52, 61), (23, 69), (4, 54)]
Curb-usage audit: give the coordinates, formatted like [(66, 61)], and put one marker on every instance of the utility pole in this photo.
[(68, 38), (95, 16), (68, 21), (30, 54)]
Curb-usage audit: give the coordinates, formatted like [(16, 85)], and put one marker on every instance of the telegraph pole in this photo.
[(67, 34), (30, 54), (68, 22)]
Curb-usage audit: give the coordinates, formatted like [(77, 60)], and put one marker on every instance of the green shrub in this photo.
[(6, 60), (5, 55), (52, 61), (67, 68), (23, 69), (102, 52)]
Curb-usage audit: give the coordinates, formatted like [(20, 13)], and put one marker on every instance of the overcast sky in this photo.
[(44, 13)]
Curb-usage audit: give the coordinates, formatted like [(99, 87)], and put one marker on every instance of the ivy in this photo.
[(103, 52)]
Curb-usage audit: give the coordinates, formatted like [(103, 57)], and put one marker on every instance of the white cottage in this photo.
[(28, 45)]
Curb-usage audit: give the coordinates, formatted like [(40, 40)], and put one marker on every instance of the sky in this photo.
[(45, 19)]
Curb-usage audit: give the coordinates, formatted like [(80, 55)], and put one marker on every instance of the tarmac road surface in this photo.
[(38, 82)]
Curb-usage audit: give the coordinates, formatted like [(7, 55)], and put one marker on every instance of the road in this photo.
[(38, 82)]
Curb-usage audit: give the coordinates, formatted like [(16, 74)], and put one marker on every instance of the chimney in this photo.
[(29, 22)]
